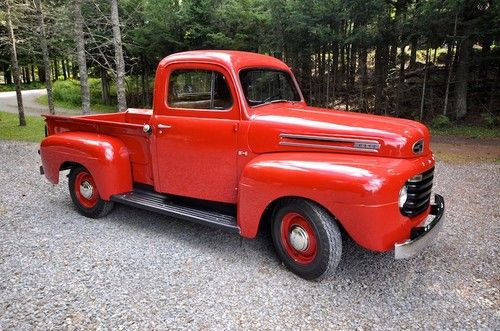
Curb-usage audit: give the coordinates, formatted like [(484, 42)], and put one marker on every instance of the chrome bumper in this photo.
[(421, 237)]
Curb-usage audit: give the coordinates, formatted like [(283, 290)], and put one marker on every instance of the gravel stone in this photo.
[(138, 270)]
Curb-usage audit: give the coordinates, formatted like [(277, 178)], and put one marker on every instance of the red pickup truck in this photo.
[(231, 143)]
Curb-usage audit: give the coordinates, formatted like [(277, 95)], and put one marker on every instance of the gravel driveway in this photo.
[(138, 270)]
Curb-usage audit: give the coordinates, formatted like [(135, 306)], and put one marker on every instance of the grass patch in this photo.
[(10, 129), (96, 108), (30, 86), (467, 131)]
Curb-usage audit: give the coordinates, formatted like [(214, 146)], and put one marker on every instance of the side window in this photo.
[(198, 89)]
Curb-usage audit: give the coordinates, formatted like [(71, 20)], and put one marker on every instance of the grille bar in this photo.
[(419, 194)]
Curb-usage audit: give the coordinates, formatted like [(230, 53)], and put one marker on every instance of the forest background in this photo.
[(434, 61)]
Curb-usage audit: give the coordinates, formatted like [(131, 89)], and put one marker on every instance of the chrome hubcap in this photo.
[(299, 239), (86, 190)]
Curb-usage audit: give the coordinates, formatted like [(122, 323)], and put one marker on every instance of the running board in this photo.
[(162, 204)]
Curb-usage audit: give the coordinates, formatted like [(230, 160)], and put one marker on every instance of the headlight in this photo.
[(403, 196)]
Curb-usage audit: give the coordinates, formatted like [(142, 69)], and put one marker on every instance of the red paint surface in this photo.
[(235, 156), (105, 157)]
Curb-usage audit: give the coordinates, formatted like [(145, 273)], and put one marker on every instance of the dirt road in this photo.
[(462, 150)]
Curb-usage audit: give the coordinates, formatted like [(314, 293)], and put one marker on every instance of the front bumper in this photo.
[(421, 237)]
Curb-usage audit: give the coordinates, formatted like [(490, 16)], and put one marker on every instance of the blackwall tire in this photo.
[(85, 196), (307, 238)]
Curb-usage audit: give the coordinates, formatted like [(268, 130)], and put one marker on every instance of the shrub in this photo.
[(68, 91), (489, 120), (441, 121)]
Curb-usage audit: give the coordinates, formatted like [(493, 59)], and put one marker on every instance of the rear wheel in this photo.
[(307, 239), (85, 196)]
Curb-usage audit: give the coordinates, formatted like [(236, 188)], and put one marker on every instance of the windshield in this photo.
[(262, 86)]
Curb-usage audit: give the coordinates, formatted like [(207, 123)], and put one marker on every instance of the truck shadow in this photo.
[(356, 261)]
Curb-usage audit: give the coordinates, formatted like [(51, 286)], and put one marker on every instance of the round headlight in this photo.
[(403, 196)]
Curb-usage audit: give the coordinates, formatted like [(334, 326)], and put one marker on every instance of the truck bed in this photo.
[(127, 126)]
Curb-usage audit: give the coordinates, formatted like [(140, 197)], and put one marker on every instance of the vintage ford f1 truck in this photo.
[(231, 143)]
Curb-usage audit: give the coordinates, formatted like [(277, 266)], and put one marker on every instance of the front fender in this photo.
[(106, 158), (359, 190)]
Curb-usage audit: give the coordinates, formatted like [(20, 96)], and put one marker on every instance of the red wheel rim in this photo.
[(86, 190), (298, 238)]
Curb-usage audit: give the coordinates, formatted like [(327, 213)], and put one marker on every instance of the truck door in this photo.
[(196, 134)]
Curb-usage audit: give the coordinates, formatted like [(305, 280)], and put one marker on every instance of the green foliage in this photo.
[(440, 122), (489, 120), (332, 46), (69, 91), (10, 129), (94, 108), (466, 131), (67, 95)]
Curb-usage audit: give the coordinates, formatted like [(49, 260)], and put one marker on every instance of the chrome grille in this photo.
[(419, 193)]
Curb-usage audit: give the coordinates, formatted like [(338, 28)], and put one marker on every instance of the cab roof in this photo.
[(230, 59)]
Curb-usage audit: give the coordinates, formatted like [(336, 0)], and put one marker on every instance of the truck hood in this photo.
[(284, 127)]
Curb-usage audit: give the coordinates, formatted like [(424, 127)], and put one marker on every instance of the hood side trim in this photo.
[(358, 145)]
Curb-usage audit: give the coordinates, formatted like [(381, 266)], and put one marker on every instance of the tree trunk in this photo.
[(32, 69), (422, 100), (347, 77), (335, 69), (495, 94), (363, 72), (381, 57), (393, 56), (56, 69), (401, 80), (352, 73), (45, 54), (7, 74), (27, 76), (82, 61), (148, 90), (74, 70), (462, 78), (402, 58), (119, 62), (363, 66), (15, 65), (23, 74), (321, 78), (485, 54), (413, 54), (64, 69), (41, 74), (449, 65), (145, 83), (105, 93)]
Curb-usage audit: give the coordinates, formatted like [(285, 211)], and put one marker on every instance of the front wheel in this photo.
[(307, 239), (85, 196)]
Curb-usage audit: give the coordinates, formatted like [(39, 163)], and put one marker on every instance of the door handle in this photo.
[(163, 126)]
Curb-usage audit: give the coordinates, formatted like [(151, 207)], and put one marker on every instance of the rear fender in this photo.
[(106, 158)]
